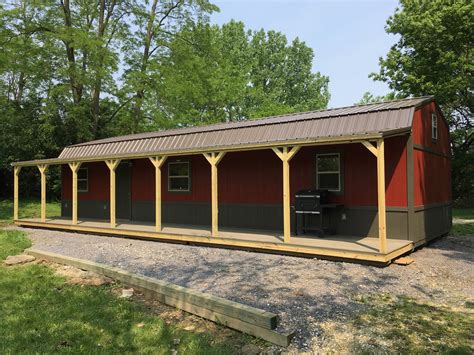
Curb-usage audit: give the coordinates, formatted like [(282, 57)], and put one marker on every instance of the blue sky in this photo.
[(347, 36)]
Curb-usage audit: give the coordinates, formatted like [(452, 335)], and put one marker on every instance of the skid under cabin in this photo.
[(385, 168)]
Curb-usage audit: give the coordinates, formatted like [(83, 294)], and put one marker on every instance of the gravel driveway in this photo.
[(304, 292)]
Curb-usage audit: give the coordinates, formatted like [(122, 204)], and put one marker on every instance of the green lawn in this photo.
[(406, 326), (26, 209), (41, 313)]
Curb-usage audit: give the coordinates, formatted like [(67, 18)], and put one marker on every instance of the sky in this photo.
[(347, 36)]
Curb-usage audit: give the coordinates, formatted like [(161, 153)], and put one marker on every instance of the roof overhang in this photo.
[(234, 148)]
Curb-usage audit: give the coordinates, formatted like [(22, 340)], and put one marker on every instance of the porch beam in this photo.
[(42, 168), (286, 154), (74, 168), (16, 174), (381, 196), (370, 147), (158, 163), (112, 164), (214, 159)]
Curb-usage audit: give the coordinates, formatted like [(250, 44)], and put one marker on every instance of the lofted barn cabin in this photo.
[(367, 182)]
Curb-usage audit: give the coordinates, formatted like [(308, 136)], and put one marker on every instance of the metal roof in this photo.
[(370, 120)]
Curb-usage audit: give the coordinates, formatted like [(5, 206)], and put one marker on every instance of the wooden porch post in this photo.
[(379, 153), (214, 159), (112, 164), (74, 168), (285, 154), (158, 163), (42, 168), (381, 195), (16, 174)]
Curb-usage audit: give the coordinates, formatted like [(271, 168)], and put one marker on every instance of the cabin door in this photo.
[(123, 194)]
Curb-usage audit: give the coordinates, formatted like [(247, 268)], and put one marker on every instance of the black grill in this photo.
[(310, 200)]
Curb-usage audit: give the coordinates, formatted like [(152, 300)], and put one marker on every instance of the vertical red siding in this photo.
[(143, 180), (432, 172), (256, 176), (99, 182)]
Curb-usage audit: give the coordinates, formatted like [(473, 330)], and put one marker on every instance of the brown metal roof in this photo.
[(359, 121)]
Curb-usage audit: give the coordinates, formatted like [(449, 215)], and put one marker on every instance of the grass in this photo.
[(407, 326), (459, 229), (26, 209), (463, 213), (41, 313)]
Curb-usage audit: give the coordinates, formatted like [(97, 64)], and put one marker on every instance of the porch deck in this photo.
[(332, 246)]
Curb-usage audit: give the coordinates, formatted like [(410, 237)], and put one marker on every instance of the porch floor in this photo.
[(338, 246)]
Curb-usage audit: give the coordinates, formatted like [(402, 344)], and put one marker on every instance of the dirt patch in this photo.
[(75, 276)]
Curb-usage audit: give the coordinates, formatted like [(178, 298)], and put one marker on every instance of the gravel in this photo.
[(304, 292)]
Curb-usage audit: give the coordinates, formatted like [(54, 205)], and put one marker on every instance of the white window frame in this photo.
[(86, 180), (188, 176), (338, 172), (434, 126)]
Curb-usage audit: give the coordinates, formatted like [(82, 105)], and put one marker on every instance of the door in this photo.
[(123, 194)]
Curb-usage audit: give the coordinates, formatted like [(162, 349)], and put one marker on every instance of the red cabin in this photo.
[(383, 169)]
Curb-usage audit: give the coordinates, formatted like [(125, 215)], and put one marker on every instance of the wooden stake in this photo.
[(158, 163), (42, 168), (112, 164), (286, 154), (214, 159), (381, 196), (74, 168), (16, 174)]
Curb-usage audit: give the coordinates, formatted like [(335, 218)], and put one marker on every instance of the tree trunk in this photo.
[(76, 88), (140, 94)]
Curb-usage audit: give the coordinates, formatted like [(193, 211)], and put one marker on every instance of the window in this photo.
[(83, 180), (178, 176), (328, 171), (434, 126)]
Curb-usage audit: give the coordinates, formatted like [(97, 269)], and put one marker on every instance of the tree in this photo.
[(230, 73), (435, 56), (369, 98)]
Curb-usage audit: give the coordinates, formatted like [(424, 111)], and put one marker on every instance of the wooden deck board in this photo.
[(340, 246)]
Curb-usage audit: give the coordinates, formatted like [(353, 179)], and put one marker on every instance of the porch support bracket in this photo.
[(286, 154), (16, 175), (214, 159), (379, 152), (74, 166), (112, 164), (158, 163), (42, 168)]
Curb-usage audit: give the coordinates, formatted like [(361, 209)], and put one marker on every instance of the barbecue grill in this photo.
[(310, 202)]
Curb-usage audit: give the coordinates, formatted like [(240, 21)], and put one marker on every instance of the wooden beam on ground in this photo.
[(16, 175), (234, 315), (74, 168), (42, 168), (286, 154), (158, 163), (112, 164), (214, 159), (382, 214)]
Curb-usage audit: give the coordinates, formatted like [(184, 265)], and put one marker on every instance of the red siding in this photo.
[(432, 172), (99, 182), (143, 180), (256, 176)]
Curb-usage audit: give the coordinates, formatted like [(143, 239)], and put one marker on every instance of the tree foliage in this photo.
[(77, 70), (435, 56)]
